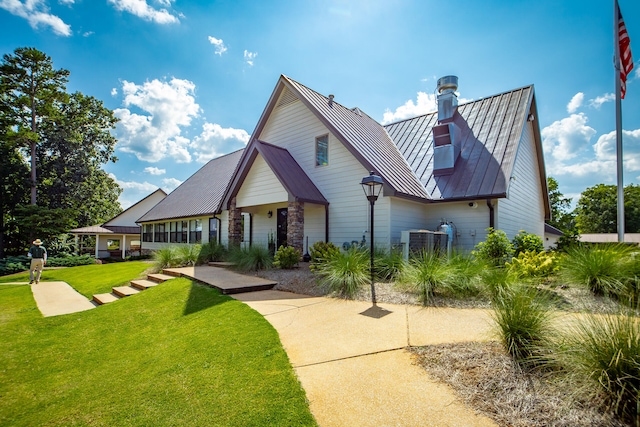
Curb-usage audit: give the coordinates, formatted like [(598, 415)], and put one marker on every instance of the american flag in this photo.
[(626, 61)]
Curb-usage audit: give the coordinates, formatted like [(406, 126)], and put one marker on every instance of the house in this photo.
[(121, 229), (551, 236), (631, 238), (469, 166)]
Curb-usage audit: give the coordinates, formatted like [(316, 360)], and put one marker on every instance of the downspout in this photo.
[(326, 223), (492, 215)]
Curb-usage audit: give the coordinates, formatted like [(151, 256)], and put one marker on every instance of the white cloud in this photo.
[(67, 2), (216, 140), (156, 135), (575, 103), (220, 48), (170, 184), (564, 139), (599, 100), (605, 149), (88, 33), (249, 57), (36, 13), (425, 103), (141, 9), (154, 171), (114, 91)]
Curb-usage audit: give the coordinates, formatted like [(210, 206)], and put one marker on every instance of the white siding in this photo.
[(295, 128), (405, 215), (470, 223), (261, 186), (135, 212), (523, 209), (159, 245), (224, 227)]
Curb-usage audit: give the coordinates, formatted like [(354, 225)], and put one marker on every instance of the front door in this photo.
[(282, 228)]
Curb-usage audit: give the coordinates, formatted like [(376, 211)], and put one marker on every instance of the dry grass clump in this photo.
[(486, 378)]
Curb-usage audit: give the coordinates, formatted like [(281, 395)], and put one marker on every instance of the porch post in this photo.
[(235, 224), (97, 245), (295, 225), (124, 245)]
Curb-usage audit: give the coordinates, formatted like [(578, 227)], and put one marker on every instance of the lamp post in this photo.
[(372, 186)]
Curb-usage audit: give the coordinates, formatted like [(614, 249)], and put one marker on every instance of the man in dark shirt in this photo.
[(38, 255)]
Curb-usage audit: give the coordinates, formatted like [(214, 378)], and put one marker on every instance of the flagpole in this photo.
[(617, 70)]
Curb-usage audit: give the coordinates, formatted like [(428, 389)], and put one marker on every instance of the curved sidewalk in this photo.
[(56, 298), (353, 363)]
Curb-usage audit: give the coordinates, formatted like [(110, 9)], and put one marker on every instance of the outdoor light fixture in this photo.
[(372, 186), (270, 214)]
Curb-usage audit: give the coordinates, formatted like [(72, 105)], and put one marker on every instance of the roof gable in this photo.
[(286, 169), (139, 205), (201, 194)]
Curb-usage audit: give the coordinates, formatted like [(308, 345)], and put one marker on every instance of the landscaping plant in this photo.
[(166, 257), (464, 276), (529, 264), (286, 257), (346, 271), (321, 252), (388, 265), (252, 258), (602, 353), (527, 242), (212, 251), (496, 250), (188, 254), (425, 271)]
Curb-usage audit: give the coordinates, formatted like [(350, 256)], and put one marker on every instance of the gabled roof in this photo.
[(490, 131), (365, 138), (283, 165), (201, 194), (115, 218), (107, 229)]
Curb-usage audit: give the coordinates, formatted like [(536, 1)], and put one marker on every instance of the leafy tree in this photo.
[(561, 216), (597, 209), (45, 223), (32, 89)]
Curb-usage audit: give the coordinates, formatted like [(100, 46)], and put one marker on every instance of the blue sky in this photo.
[(189, 79)]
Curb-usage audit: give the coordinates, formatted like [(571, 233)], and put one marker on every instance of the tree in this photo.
[(32, 89), (561, 216), (597, 209)]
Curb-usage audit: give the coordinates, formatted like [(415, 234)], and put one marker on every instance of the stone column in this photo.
[(235, 224), (295, 225)]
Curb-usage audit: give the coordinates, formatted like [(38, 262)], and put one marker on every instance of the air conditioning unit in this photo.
[(416, 241)]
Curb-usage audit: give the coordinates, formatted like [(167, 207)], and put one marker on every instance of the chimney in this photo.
[(446, 139)]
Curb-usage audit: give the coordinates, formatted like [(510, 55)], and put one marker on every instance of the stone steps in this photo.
[(135, 287)]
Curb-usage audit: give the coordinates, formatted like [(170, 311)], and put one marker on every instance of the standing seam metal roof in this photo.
[(200, 194)]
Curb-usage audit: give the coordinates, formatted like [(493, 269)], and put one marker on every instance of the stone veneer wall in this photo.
[(295, 225), (235, 224)]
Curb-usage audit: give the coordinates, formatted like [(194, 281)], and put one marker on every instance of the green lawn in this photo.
[(179, 354), (90, 279)]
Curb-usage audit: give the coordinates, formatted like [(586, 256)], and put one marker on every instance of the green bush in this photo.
[(497, 280), (253, 258), (188, 254), (212, 251), (527, 242), (388, 265), (464, 276), (286, 257), (523, 323), (345, 272), (321, 252), (71, 261), (534, 264), (425, 272), (14, 264), (166, 257), (496, 250), (602, 353), (604, 269)]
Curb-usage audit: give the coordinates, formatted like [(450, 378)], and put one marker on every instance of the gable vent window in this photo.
[(286, 98), (322, 150)]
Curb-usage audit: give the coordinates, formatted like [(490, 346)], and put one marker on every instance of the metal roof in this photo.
[(490, 129), (107, 229), (365, 138), (201, 194)]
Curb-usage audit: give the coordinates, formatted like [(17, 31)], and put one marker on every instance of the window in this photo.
[(195, 231), (213, 230), (160, 235), (147, 233), (173, 234), (183, 229), (322, 150)]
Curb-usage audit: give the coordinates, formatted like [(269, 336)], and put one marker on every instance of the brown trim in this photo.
[(326, 223)]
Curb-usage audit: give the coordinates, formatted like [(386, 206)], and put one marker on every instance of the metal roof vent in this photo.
[(331, 100), (446, 139), (447, 99)]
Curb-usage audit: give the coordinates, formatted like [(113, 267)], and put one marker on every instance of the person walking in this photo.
[(38, 255)]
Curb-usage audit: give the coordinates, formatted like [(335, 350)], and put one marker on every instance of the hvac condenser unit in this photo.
[(416, 241)]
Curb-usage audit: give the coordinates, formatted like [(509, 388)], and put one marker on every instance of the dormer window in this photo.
[(322, 150)]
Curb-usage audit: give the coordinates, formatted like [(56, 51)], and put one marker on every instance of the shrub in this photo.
[(71, 261), (188, 254), (212, 251), (496, 280), (603, 354), (286, 257), (14, 264), (345, 272), (604, 269), (424, 273), (321, 252), (496, 250), (534, 264), (166, 257), (464, 276), (527, 242), (388, 265), (523, 323), (251, 258)]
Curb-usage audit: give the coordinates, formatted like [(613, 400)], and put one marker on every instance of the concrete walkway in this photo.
[(56, 298), (353, 363)]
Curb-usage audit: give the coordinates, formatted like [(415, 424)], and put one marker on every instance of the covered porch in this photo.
[(111, 240)]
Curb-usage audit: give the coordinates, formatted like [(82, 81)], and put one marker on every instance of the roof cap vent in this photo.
[(447, 83), (331, 100)]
